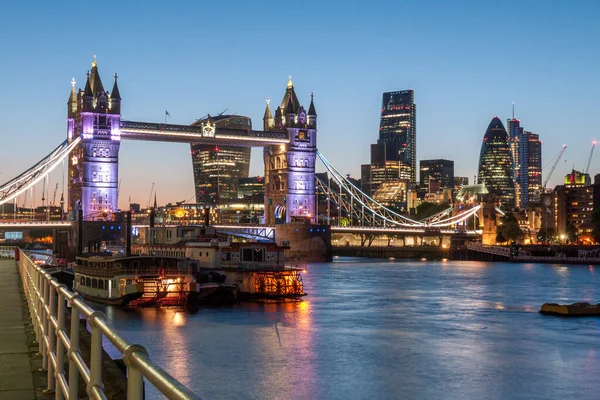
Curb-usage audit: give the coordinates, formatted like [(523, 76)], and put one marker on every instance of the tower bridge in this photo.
[(289, 139)]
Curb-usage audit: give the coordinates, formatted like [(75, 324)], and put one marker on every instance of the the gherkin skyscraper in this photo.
[(496, 164)]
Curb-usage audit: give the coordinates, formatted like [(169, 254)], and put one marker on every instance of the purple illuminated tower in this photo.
[(94, 115), (290, 169)]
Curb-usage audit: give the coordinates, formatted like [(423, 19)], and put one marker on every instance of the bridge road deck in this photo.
[(16, 377)]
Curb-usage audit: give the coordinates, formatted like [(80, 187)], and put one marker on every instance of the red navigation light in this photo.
[(217, 149)]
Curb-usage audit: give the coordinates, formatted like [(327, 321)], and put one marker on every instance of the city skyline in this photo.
[(158, 72)]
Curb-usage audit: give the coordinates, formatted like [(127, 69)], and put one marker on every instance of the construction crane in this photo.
[(587, 167), (54, 195), (150, 197), (562, 151)]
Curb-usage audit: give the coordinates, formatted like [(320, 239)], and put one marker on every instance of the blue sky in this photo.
[(466, 60)]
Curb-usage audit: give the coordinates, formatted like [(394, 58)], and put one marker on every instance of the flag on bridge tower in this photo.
[(167, 115)]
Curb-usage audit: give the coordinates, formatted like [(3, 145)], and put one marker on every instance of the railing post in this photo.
[(33, 276), (74, 349), (60, 346), (51, 338), (96, 354), (135, 381), (44, 322)]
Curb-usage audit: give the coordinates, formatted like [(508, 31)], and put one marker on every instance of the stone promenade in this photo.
[(16, 377)]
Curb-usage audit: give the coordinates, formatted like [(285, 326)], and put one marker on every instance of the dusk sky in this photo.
[(466, 60)]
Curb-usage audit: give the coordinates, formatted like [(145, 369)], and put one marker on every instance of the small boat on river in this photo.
[(571, 310), (141, 281)]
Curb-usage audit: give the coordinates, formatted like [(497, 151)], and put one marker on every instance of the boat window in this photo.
[(88, 282), (94, 284), (129, 281), (82, 281), (114, 284), (254, 255), (122, 282), (100, 283), (207, 254)]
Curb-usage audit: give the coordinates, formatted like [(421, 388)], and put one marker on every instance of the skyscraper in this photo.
[(217, 169), (397, 129), (496, 164), (440, 170), (526, 150)]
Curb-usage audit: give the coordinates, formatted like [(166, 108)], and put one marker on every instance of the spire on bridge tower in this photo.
[(290, 94), (88, 87), (72, 103), (95, 81), (115, 98), (311, 108), (268, 121), (289, 109), (114, 94)]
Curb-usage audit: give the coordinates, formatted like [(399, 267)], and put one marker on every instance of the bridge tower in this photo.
[(290, 169), (94, 115)]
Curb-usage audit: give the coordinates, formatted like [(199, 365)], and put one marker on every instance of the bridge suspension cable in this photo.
[(358, 205), (20, 184), (361, 205)]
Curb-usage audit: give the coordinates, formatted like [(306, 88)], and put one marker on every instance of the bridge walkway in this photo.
[(16, 376)]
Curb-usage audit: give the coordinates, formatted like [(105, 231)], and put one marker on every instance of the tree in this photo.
[(509, 229), (546, 235)]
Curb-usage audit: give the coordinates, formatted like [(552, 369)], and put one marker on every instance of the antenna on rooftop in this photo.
[(513, 110)]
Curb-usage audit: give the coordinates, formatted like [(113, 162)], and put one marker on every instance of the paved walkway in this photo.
[(16, 378)]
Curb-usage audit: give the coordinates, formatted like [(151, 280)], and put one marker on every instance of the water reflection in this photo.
[(384, 329)]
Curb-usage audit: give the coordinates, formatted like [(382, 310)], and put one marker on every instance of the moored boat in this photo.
[(257, 269), (571, 310), (135, 280)]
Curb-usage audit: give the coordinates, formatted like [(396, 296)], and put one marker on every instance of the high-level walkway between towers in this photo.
[(16, 376)]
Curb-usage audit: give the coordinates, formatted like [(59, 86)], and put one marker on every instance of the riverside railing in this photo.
[(48, 301)]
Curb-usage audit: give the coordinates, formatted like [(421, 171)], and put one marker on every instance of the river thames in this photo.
[(382, 329)]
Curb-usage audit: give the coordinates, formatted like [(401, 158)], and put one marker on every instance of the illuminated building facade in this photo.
[(526, 150), (569, 207), (441, 170), (579, 204), (397, 129), (253, 186), (217, 169), (94, 115), (290, 169), (496, 164), (392, 194)]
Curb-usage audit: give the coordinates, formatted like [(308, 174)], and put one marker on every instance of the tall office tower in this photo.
[(217, 169), (496, 164), (384, 165), (526, 150), (397, 129), (94, 116), (441, 170)]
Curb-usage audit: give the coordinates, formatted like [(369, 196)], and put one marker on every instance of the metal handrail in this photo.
[(47, 301)]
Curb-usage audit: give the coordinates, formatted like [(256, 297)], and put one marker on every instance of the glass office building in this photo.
[(496, 164), (398, 130), (218, 169)]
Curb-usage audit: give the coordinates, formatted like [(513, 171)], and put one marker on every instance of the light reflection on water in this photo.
[(384, 329)]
